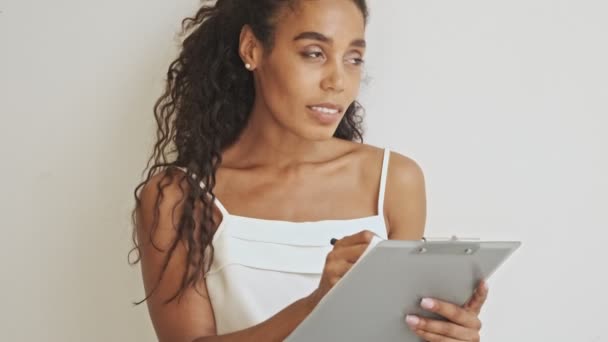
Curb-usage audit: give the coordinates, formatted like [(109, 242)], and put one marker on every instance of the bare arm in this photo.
[(276, 328), (405, 201), (192, 316)]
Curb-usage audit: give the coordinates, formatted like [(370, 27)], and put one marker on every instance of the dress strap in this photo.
[(217, 202), (385, 161), (220, 206)]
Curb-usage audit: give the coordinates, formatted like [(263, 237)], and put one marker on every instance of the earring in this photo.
[(248, 66)]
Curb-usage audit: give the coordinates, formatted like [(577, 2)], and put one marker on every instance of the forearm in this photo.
[(276, 328)]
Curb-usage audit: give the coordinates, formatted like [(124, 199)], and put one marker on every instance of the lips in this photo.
[(327, 108), (326, 113)]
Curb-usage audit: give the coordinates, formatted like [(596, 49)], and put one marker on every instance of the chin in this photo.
[(312, 130), (319, 133)]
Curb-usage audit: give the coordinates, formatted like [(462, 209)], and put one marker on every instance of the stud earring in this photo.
[(248, 66)]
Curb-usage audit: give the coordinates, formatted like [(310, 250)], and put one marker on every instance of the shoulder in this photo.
[(405, 191), (405, 198), (403, 171), (404, 174), (160, 205), (166, 188), (368, 156), (166, 182)]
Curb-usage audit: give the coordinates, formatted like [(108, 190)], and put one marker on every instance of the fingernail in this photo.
[(427, 303), (485, 285), (412, 320)]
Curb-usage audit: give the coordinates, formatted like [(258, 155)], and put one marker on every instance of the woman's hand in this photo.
[(463, 325), (345, 253)]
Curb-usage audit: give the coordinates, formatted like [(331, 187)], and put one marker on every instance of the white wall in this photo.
[(503, 104)]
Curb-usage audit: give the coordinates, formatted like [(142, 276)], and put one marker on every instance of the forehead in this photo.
[(340, 20)]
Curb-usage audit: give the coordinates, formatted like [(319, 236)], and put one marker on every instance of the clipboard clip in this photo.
[(470, 248), (448, 239)]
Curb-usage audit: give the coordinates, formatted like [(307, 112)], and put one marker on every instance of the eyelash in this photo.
[(358, 61)]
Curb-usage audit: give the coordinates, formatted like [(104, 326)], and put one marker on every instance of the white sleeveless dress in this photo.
[(261, 266)]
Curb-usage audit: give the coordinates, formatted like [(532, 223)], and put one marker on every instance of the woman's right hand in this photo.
[(345, 253)]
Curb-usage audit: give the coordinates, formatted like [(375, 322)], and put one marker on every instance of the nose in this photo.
[(334, 78)]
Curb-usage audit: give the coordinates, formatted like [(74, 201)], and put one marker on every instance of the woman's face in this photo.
[(313, 73)]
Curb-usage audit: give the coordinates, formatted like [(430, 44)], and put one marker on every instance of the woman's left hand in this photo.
[(463, 322)]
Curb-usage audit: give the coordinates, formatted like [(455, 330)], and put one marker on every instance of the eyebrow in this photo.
[(322, 38)]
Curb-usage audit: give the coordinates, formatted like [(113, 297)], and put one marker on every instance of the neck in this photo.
[(265, 142)]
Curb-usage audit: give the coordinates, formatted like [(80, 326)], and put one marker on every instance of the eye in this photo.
[(313, 54), (356, 61)]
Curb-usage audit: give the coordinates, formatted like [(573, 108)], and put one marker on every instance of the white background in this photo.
[(503, 104)]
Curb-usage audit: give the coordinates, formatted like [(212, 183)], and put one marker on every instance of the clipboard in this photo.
[(388, 282)]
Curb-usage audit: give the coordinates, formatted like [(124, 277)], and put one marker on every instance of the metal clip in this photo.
[(444, 239)]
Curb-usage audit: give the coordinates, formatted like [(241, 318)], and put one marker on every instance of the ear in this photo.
[(250, 49)]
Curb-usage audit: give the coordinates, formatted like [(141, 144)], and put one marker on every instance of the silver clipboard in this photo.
[(371, 301)]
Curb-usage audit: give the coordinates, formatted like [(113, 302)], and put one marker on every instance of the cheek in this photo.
[(353, 83), (292, 88)]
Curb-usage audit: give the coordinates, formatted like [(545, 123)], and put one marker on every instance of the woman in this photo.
[(234, 233)]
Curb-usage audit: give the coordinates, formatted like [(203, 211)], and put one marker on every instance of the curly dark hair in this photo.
[(205, 106)]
